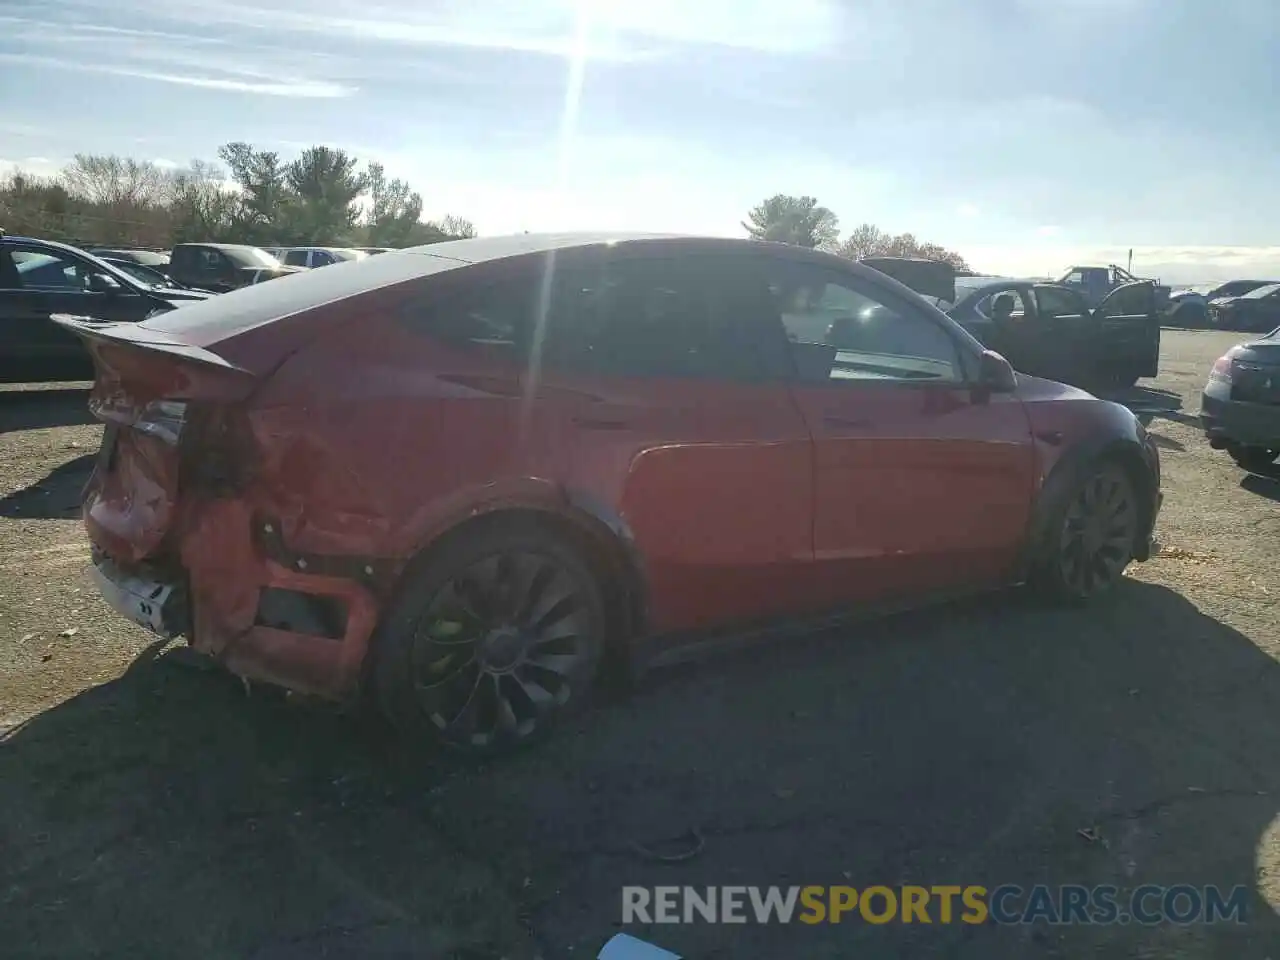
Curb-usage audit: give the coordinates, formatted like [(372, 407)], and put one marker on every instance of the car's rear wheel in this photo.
[(1092, 541), (491, 640), (1254, 458)]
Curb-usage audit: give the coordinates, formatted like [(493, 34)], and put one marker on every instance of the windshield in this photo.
[(250, 257), (1262, 292), (152, 278)]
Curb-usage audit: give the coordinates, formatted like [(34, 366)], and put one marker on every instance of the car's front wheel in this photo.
[(1254, 458), (491, 639), (1092, 539)]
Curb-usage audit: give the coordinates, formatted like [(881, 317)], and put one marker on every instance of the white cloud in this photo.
[(1049, 230), (33, 166), (301, 88), (618, 29), (968, 210)]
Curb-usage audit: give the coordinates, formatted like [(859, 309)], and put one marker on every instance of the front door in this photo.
[(649, 384), (1066, 334), (922, 482), (1129, 332), (46, 281)]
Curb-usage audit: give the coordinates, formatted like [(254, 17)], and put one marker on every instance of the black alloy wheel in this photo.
[(1098, 533), (506, 635), (1094, 537)]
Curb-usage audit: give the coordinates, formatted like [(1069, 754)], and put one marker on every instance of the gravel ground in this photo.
[(153, 810)]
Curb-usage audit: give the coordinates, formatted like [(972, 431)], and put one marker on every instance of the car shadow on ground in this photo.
[(41, 409), (992, 742), (56, 497), (1151, 403), (1264, 484)]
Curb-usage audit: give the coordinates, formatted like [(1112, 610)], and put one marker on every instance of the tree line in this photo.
[(802, 221), (322, 197)]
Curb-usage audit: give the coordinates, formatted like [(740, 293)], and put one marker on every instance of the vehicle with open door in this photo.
[(1048, 330)]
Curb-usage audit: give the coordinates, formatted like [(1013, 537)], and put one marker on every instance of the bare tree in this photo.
[(114, 181), (868, 240), (457, 228)]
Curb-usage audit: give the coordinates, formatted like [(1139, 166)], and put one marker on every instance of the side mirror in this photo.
[(101, 283), (996, 373)]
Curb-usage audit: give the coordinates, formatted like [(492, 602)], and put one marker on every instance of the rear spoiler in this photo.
[(98, 332), (929, 278)]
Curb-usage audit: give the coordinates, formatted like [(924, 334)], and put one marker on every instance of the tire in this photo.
[(1253, 458), (490, 640), (1092, 537)]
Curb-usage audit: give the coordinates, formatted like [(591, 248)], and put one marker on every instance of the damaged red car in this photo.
[(470, 478)]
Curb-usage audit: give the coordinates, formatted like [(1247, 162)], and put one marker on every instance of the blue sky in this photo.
[(1028, 134)]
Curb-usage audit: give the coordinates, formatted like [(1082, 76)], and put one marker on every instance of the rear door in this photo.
[(652, 384), (1128, 323), (1065, 335)]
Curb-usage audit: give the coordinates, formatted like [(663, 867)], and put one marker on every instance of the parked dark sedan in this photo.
[(473, 477), (1258, 310), (224, 266), (1240, 407), (1050, 331), (39, 278)]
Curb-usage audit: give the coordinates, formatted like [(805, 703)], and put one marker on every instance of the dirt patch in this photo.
[(153, 809)]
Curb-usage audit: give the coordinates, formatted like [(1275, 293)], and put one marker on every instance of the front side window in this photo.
[(1055, 302), (843, 329), (39, 269), (1009, 305)]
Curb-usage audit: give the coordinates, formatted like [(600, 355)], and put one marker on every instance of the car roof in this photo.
[(210, 321)]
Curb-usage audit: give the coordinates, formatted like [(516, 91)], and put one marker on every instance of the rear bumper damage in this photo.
[(238, 596)]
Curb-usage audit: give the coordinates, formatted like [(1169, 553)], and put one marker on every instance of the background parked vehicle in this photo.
[(1240, 407), (154, 259), (1256, 311), (1094, 283), (39, 278), (685, 385), (147, 276), (1046, 329), (224, 266), (320, 256)]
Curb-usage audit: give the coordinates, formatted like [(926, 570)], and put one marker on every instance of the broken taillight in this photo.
[(1221, 371), (163, 419)]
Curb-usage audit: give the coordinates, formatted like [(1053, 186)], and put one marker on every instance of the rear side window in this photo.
[(655, 317), (618, 317), (491, 316), (296, 258)]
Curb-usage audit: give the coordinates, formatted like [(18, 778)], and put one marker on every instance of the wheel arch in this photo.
[(599, 532), (1069, 470)]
